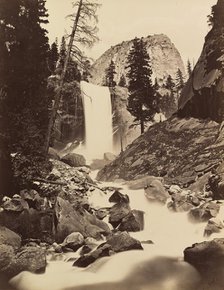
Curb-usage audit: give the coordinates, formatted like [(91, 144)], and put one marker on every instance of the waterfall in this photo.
[(98, 120)]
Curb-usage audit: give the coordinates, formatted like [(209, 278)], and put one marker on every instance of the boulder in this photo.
[(9, 238), (32, 197), (74, 160), (31, 259), (15, 204), (109, 156), (204, 212), (73, 241), (122, 241), (30, 223), (180, 202), (71, 220), (142, 182), (156, 191), (90, 244), (52, 153), (98, 164), (118, 197), (86, 260), (133, 222), (101, 213), (208, 258), (214, 225), (117, 212)]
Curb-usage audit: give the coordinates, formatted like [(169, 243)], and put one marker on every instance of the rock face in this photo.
[(180, 150), (203, 94), (74, 160), (208, 259), (165, 59)]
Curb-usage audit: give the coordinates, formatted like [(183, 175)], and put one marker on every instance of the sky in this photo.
[(183, 21)]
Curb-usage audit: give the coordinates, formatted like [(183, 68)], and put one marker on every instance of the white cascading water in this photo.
[(171, 234), (98, 121)]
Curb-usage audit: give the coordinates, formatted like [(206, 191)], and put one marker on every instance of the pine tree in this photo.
[(83, 32), (141, 100), (170, 85), (62, 53), (23, 77), (189, 68), (216, 18), (86, 71), (122, 82), (53, 57), (109, 75), (179, 80)]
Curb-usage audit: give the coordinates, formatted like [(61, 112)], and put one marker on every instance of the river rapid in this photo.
[(159, 266)]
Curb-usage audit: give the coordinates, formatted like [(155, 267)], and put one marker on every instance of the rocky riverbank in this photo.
[(57, 216)]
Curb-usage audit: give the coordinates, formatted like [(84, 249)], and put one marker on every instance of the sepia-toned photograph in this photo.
[(111, 145)]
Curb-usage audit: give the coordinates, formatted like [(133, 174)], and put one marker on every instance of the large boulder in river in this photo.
[(143, 182), (73, 241), (88, 259), (156, 192), (204, 212), (118, 197), (74, 160), (31, 259), (133, 222), (208, 258), (214, 225), (117, 212), (122, 241)]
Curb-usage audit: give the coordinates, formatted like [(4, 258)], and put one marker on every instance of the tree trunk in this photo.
[(57, 97), (142, 126)]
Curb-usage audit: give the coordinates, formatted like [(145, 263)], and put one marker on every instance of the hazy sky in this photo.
[(184, 21)]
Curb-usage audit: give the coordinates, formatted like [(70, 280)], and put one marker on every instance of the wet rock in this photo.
[(101, 213), (180, 202), (214, 225), (26, 259), (174, 189), (74, 160), (122, 241), (133, 222), (208, 258), (118, 197), (204, 212), (90, 244), (70, 220), (118, 212), (156, 191), (142, 182), (9, 238), (73, 241), (86, 260), (30, 259)]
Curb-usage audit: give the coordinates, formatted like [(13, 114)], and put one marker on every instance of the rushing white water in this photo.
[(98, 121), (158, 267)]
